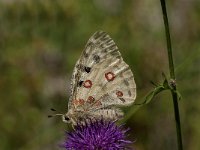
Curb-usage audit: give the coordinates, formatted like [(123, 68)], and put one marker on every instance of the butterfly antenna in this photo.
[(52, 109), (50, 116), (58, 114)]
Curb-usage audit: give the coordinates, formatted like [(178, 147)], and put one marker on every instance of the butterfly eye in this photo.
[(66, 118)]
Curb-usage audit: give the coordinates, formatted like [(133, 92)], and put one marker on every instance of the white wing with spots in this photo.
[(101, 79)]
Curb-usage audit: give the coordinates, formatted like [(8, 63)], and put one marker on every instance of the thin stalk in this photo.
[(172, 75)]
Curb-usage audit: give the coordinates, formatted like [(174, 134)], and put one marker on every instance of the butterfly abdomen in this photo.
[(110, 113)]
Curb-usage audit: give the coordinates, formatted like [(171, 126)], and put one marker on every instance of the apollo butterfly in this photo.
[(101, 82)]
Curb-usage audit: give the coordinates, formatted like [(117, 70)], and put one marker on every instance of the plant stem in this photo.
[(172, 76)]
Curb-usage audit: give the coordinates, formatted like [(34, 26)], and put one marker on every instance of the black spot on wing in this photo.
[(96, 58), (126, 82), (85, 54), (122, 99), (129, 93), (80, 83), (79, 66), (87, 69)]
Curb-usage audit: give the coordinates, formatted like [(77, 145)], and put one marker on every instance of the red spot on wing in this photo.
[(98, 103), (81, 102), (119, 93), (87, 84), (90, 99), (78, 102), (75, 102), (110, 76)]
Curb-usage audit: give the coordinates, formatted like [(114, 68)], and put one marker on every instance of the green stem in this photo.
[(172, 76)]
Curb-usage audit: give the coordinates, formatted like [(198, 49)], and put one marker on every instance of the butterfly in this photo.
[(101, 82)]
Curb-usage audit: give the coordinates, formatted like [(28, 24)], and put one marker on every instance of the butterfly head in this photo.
[(66, 118)]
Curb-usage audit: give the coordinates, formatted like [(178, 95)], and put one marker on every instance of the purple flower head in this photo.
[(98, 135)]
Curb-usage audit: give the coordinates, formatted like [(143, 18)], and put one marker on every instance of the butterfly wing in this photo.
[(101, 78)]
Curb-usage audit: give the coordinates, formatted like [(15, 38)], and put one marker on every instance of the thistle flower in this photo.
[(98, 135)]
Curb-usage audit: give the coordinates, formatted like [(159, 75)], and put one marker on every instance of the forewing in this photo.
[(101, 78)]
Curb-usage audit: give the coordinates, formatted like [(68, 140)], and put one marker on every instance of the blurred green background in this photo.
[(40, 41)]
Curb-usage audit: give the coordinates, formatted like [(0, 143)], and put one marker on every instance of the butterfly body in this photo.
[(101, 82)]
